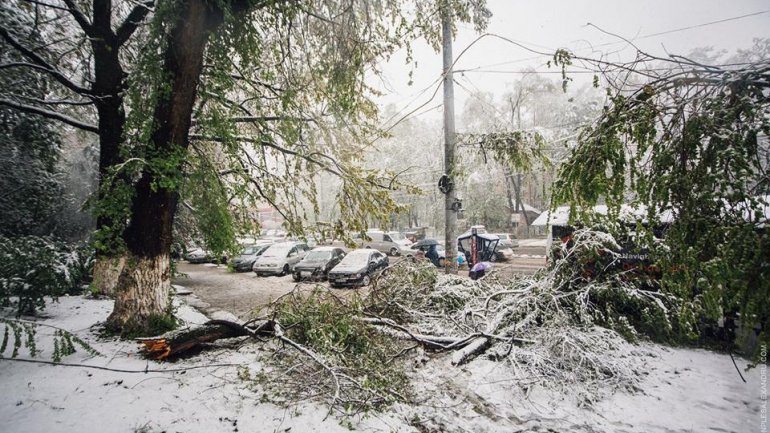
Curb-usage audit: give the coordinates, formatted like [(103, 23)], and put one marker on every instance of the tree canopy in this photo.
[(688, 140)]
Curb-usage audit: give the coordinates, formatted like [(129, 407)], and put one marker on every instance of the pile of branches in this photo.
[(319, 350), (574, 322)]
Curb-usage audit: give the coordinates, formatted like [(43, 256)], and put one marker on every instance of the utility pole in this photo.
[(450, 202)]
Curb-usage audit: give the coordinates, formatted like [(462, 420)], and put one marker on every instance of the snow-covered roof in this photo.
[(760, 214), (487, 236), (560, 216)]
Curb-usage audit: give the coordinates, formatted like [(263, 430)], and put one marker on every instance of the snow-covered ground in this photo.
[(685, 391)]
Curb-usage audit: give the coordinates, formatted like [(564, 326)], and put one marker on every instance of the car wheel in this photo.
[(394, 251), (366, 280), (295, 276), (285, 269), (493, 258)]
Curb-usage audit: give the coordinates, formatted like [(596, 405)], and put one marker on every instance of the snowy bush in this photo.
[(33, 268), (352, 365), (590, 276), (404, 291)]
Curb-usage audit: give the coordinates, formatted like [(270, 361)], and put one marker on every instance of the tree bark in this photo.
[(143, 288), (106, 273), (142, 294), (108, 87)]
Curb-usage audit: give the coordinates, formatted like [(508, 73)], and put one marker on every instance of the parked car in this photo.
[(358, 267), (199, 255), (244, 262), (421, 250), (280, 258), (505, 247), (392, 243), (318, 262), (507, 240)]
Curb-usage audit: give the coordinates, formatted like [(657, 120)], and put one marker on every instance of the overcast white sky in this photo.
[(545, 25)]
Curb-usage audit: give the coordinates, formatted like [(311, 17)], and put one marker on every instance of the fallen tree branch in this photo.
[(278, 333), (428, 341), (179, 344)]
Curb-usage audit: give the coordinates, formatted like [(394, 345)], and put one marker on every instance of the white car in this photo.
[(392, 243), (280, 258)]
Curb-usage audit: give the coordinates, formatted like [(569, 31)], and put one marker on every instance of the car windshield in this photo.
[(396, 236), (356, 258), (318, 255), (249, 251), (277, 251)]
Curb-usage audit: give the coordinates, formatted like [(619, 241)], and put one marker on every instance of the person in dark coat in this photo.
[(432, 254)]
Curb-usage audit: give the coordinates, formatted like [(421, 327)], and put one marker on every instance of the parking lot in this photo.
[(216, 288)]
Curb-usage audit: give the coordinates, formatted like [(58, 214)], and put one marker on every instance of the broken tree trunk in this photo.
[(180, 344)]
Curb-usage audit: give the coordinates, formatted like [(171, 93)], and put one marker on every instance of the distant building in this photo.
[(269, 217)]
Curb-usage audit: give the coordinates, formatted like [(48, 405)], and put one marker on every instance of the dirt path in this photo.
[(237, 293)]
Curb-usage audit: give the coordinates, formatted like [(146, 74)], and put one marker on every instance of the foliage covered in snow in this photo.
[(573, 324), (32, 268)]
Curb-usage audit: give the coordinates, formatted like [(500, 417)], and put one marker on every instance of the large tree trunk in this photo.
[(108, 86), (142, 293), (106, 273), (141, 298)]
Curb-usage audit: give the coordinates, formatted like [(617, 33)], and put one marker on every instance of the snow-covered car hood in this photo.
[(352, 269)]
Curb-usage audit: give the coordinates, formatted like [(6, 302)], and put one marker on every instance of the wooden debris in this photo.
[(179, 344)]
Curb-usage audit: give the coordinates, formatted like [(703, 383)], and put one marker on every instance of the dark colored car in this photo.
[(357, 268), (245, 261), (317, 263)]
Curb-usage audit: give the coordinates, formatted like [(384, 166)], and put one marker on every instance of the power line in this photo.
[(697, 26), (523, 44), (647, 36)]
